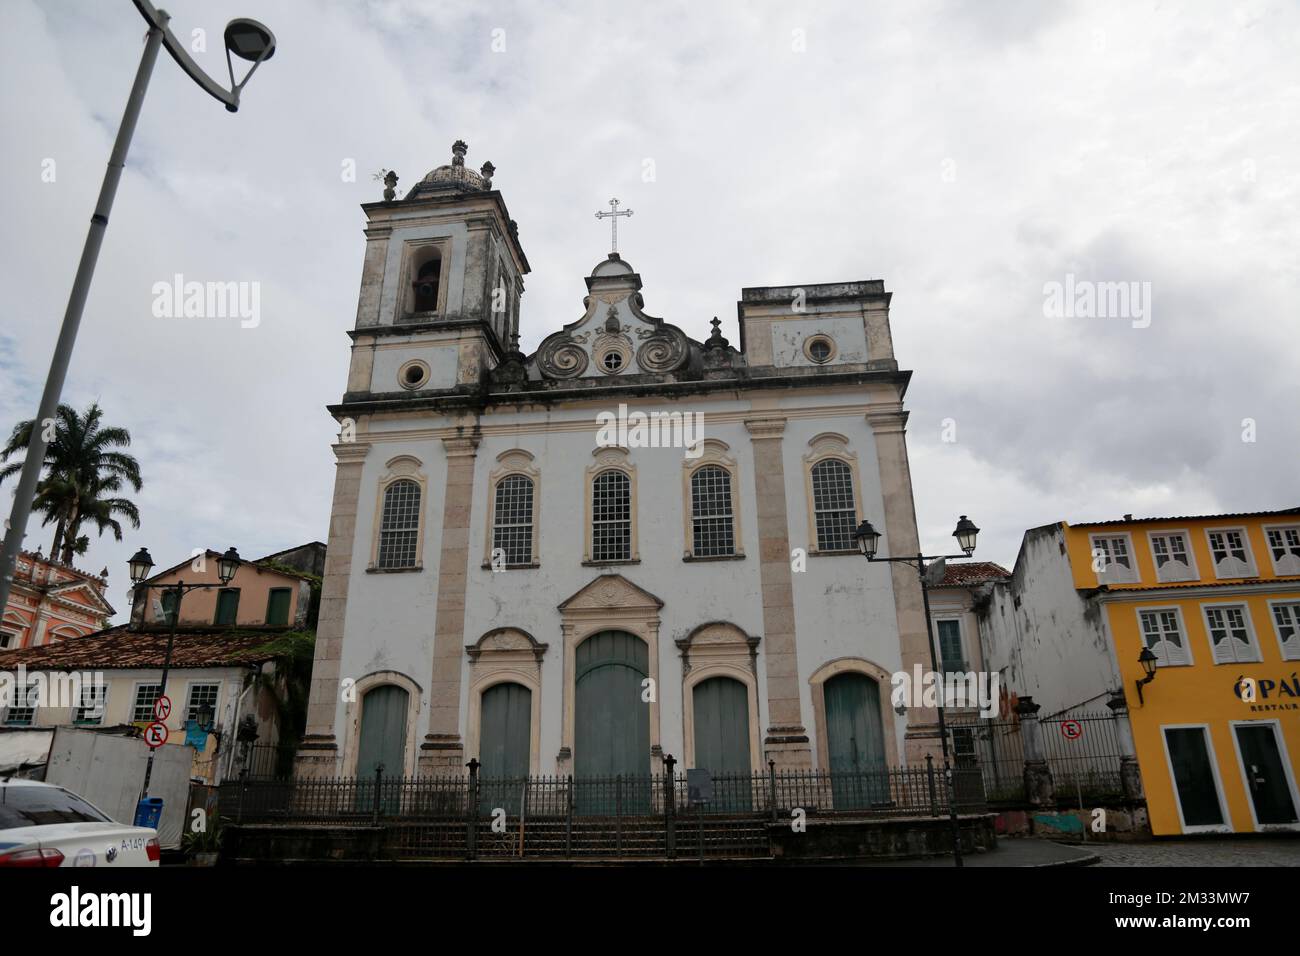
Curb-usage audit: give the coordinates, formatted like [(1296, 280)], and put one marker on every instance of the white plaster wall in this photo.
[(789, 335), (442, 362), (843, 606), (693, 593), (401, 235), (390, 616), (1054, 647)]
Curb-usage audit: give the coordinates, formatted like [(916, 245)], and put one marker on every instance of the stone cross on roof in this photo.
[(612, 216)]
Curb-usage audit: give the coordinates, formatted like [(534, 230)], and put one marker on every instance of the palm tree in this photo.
[(83, 473)]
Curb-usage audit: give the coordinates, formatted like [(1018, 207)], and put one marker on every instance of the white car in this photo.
[(43, 825)]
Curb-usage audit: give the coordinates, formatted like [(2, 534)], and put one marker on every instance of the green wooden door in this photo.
[(856, 741), (383, 741), (611, 724), (721, 709), (505, 742)]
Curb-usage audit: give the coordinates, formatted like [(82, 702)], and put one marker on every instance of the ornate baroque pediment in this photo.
[(614, 322), (611, 592), (505, 640)]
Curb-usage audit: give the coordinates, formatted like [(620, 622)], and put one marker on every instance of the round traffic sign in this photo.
[(155, 735), (162, 708), (1072, 729)]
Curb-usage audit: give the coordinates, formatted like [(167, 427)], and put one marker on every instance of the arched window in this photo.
[(833, 506), (512, 529), (712, 527), (400, 525), (611, 516), (426, 286)]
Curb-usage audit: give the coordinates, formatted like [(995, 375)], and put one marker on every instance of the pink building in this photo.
[(51, 602)]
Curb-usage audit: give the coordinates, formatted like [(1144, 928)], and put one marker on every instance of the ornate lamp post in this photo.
[(140, 565), (246, 39), (868, 539)]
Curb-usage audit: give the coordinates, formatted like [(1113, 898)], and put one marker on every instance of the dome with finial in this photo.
[(454, 177)]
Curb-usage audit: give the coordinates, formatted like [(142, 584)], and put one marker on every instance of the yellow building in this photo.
[(1216, 601)]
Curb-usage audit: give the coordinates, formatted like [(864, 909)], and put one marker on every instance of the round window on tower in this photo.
[(414, 374), (612, 353), (819, 348)]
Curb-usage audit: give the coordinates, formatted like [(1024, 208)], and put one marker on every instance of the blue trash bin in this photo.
[(148, 812)]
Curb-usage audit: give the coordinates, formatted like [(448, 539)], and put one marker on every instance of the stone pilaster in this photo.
[(318, 753), (1130, 774), (443, 749), (888, 423), (786, 741), (1040, 790)]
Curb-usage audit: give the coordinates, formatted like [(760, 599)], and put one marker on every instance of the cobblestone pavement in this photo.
[(1268, 851)]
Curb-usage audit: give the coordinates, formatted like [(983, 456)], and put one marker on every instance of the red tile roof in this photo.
[(966, 573), (119, 649)]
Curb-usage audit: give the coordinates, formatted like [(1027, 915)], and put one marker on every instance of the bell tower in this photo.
[(440, 287)]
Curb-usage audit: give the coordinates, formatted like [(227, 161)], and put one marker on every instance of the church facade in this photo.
[(625, 545)]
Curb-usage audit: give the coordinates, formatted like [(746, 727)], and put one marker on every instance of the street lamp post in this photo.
[(868, 539), (246, 39), (140, 565)]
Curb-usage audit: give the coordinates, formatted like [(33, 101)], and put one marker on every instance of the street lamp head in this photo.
[(140, 565), (1148, 661), (965, 534), (250, 40), (868, 539), (204, 716), (227, 565)]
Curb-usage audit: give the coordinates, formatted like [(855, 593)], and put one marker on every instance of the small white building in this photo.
[(526, 563), (110, 680)]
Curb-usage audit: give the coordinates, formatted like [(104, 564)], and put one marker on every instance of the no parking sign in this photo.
[(155, 735)]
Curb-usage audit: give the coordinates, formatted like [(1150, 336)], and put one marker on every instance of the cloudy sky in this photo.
[(966, 154)]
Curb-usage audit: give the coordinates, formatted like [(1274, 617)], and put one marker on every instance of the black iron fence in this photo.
[(621, 816), (1082, 751), (262, 761)]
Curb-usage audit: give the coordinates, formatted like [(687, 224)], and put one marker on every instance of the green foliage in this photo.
[(205, 841), (289, 684), (83, 474)]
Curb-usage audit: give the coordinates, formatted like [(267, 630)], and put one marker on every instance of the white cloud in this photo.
[(1114, 141)]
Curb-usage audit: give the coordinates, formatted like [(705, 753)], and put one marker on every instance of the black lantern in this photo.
[(1148, 662), (965, 534), (205, 716), (868, 539), (140, 564), (227, 565)]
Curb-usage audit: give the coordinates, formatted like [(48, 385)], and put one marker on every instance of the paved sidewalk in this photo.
[(1246, 850), (1023, 851)]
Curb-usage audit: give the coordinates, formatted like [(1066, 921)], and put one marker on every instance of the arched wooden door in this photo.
[(611, 723), (505, 743), (382, 741), (720, 708), (856, 741)]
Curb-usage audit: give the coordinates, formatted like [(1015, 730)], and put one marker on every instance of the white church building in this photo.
[(625, 545)]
